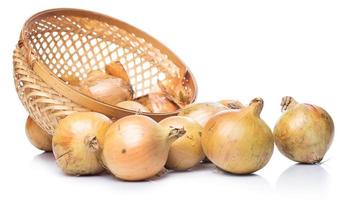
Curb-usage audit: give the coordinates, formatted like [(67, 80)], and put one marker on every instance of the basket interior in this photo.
[(71, 46)]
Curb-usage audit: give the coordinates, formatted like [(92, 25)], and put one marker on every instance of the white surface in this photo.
[(236, 49)]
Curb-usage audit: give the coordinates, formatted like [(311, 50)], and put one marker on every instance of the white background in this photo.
[(236, 49)]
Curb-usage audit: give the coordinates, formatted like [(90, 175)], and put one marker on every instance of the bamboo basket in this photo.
[(59, 44)]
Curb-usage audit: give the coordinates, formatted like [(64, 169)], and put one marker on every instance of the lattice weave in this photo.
[(44, 104), (71, 43)]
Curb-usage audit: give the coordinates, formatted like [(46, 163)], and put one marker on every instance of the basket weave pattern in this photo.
[(44, 104), (70, 43), (84, 45)]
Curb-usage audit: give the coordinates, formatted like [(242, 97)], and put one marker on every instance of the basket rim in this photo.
[(56, 83)]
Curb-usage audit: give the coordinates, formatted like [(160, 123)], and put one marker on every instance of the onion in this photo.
[(74, 143), (202, 112), (37, 136), (106, 88), (136, 147), (231, 104), (238, 142), (116, 69), (186, 151), (72, 80), (133, 105), (304, 132), (175, 90), (157, 103)]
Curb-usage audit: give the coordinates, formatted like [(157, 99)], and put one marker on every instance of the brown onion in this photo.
[(72, 79), (75, 144), (238, 142), (37, 136), (176, 91), (186, 151), (136, 147), (231, 104), (106, 88), (133, 105), (304, 132), (116, 69), (157, 103), (202, 112)]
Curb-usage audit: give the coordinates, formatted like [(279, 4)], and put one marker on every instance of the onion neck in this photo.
[(256, 106), (92, 143), (175, 133), (232, 104), (287, 103)]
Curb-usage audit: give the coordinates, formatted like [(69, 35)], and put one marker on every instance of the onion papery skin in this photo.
[(106, 88), (136, 148), (304, 132), (185, 152), (202, 112), (75, 144), (116, 69), (157, 103), (133, 105), (238, 142), (231, 104), (37, 136)]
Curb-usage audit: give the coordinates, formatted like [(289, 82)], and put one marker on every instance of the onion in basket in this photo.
[(136, 147), (37, 136), (71, 79), (106, 88), (157, 103), (176, 91), (116, 69), (75, 145), (133, 105)]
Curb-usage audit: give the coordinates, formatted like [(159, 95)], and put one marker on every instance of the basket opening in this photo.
[(72, 46)]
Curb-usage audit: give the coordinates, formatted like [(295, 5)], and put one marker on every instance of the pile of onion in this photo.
[(136, 147), (75, 144), (185, 152), (304, 132), (113, 87), (37, 136), (238, 142), (168, 95)]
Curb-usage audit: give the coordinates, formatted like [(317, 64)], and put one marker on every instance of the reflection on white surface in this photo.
[(44, 163), (297, 182), (241, 186), (44, 158), (252, 181), (302, 181), (204, 179)]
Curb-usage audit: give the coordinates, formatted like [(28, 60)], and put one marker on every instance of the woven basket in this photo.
[(59, 44)]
